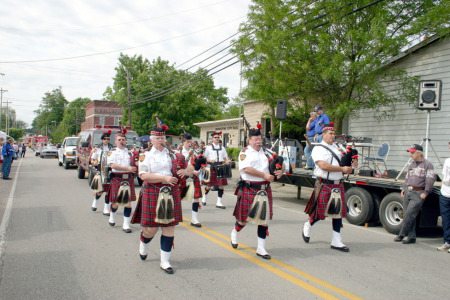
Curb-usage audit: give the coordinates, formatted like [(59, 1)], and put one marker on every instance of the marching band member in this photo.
[(328, 187), (256, 179), (96, 155), (121, 189), (159, 202), (188, 153), (215, 154)]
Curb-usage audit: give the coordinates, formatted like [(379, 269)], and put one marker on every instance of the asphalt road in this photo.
[(52, 246)]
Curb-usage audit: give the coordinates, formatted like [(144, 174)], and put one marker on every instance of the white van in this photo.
[(67, 152)]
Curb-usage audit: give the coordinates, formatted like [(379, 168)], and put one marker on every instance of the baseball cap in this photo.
[(415, 148), (317, 108)]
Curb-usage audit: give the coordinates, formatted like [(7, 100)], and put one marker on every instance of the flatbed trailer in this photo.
[(371, 200)]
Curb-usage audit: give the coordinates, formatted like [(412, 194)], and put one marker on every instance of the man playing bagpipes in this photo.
[(121, 190), (95, 161), (159, 202), (215, 154), (254, 195), (190, 154), (328, 197)]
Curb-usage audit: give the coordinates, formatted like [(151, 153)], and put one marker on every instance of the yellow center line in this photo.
[(271, 268)]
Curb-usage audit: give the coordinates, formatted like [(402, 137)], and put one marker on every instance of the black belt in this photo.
[(120, 175), (326, 181), (255, 186), (412, 188)]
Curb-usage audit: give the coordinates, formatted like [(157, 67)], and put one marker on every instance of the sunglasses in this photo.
[(107, 139)]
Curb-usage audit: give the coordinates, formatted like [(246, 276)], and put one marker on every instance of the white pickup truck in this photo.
[(67, 152)]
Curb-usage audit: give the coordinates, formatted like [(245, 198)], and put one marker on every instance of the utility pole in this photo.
[(7, 114), (1, 104), (129, 98)]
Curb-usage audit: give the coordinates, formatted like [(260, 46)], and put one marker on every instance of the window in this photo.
[(117, 120), (102, 120)]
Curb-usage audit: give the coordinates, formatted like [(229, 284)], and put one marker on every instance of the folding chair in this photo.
[(383, 152)]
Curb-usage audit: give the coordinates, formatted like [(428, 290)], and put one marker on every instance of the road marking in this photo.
[(7, 213), (303, 284)]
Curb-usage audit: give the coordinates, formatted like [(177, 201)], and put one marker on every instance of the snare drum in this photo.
[(223, 171)]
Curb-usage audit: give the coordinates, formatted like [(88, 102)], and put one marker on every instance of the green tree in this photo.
[(74, 115), (16, 133), (50, 112), (333, 53), (200, 101)]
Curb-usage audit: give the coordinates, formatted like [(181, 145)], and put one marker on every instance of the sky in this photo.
[(75, 45)]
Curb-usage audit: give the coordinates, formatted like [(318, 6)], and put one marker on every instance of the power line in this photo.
[(119, 50)]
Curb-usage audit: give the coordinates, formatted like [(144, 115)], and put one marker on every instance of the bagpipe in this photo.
[(275, 161)]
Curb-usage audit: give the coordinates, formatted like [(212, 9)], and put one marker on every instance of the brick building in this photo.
[(102, 113)]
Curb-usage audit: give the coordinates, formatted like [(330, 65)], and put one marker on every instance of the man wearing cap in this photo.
[(255, 175), (329, 174), (321, 120), (310, 135), (120, 160), (189, 154), (161, 172), (215, 154), (95, 159), (8, 155), (417, 186)]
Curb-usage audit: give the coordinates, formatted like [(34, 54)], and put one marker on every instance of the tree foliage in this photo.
[(50, 111), (74, 115), (332, 53), (16, 133), (183, 106)]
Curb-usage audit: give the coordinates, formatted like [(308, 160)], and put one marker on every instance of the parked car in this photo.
[(49, 151), (90, 138), (67, 152), (38, 150)]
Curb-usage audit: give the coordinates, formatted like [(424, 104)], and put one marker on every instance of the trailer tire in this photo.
[(391, 212), (360, 206), (81, 172)]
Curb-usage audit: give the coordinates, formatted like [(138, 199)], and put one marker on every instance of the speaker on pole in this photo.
[(281, 110), (430, 95)]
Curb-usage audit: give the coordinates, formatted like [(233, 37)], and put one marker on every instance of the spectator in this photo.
[(321, 121), (310, 135), (16, 150), (24, 149), (417, 186), (2, 140), (444, 204), (8, 154)]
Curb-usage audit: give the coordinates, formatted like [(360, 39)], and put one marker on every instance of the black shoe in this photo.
[(204, 203), (94, 208), (220, 206), (305, 238), (265, 256), (399, 238), (343, 249), (112, 224), (169, 270), (409, 241), (128, 230), (8, 178), (234, 245), (106, 214), (143, 257), (198, 225)]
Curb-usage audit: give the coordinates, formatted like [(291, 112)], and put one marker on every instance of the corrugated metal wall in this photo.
[(409, 125)]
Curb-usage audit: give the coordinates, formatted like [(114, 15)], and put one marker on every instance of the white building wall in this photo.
[(409, 125)]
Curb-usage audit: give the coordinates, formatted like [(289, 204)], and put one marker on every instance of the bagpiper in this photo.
[(159, 202), (121, 191), (96, 155)]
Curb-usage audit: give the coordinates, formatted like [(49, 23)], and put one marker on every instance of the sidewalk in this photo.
[(5, 187)]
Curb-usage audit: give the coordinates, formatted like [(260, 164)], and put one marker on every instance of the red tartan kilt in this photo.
[(145, 212), (197, 188), (106, 188), (322, 201), (214, 180), (244, 202), (114, 187)]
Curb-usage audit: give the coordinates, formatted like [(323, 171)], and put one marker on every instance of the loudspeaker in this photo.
[(281, 110), (430, 95)]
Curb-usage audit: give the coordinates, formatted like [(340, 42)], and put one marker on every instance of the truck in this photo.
[(371, 200)]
